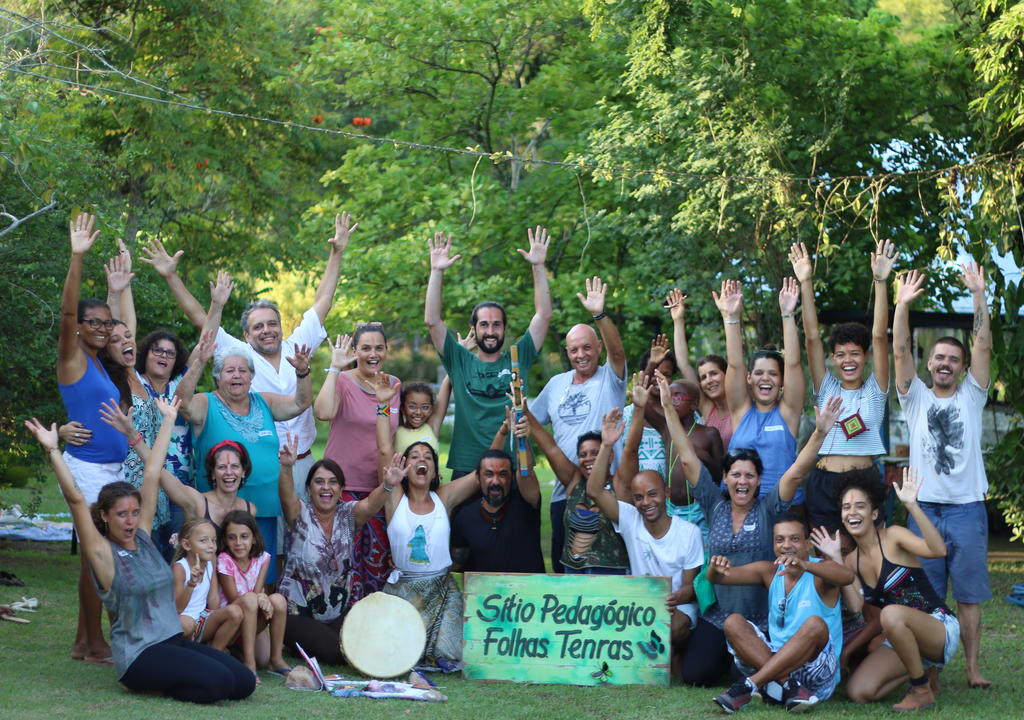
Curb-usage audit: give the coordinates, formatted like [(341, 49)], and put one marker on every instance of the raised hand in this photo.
[(288, 453), (664, 394), (82, 234), (907, 492), (300, 360), (911, 287), (520, 429), (440, 252), (383, 389), (973, 277), (468, 342), (882, 260), (829, 546), (789, 295), (538, 252), (119, 270), (220, 290), (341, 352), (730, 301), (659, 349), (612, 427), (593, 303), (825, 420), (156, 255), (75, 433), (800, 259), (168, 409), (196, 571), (395, 471), (112, 415), (343, 229), (47, 437), (640, 393), (206, 346), (675, 302)]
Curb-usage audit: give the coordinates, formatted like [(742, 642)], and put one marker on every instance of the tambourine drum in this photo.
[(383, 636)]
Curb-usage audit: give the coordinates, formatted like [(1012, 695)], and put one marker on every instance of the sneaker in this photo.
[(797, 697), (736, 696), (770, 694)]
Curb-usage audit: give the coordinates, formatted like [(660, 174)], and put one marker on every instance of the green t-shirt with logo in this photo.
[(479, 390)]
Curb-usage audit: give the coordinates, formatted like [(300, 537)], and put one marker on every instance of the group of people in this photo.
[(186, 502)]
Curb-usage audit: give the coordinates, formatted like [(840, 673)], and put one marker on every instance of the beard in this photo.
[(496, 496), (490, 343)]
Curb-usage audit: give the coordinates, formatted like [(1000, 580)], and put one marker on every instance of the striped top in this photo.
[(869, 400)]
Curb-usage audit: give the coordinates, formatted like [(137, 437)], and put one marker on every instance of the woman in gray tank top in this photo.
[(136, 586)]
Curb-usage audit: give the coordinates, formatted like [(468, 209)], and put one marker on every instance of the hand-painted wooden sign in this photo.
[(573, 629)]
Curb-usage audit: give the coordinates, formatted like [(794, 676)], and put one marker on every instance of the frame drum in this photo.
[(383, 636)]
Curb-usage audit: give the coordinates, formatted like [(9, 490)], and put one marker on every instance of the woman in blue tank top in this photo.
[(85, 328), (136, 584), (763, 417)]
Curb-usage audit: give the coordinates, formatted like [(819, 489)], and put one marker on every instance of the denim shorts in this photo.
[(964, 529), (952, 626)]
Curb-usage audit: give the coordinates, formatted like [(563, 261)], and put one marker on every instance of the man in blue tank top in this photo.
[(798, 664)]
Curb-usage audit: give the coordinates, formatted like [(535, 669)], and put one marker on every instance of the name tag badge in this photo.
[(774, 428), (750, 528), (266, 433), (123, 553)]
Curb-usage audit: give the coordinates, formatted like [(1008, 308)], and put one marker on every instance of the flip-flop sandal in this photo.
[(283, 672), (1017, 589), (99, 661), (1016, 599)]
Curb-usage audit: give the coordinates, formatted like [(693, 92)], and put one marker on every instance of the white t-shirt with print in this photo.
[(945, 441)]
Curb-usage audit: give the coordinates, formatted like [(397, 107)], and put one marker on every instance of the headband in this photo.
[(225, 444)]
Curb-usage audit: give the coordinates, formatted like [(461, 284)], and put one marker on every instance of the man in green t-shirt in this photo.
[(480, 382)]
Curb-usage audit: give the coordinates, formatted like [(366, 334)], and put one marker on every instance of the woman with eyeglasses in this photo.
[(84, 384), (763, 417), (348, 400)]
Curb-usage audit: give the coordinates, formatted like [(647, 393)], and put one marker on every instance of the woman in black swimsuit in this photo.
[(920, 630)]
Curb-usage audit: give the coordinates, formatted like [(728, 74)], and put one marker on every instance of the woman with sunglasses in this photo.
[(348, 400), (85, 329), (763, 417)]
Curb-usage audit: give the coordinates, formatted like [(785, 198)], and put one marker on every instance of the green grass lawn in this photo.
[(40, 680)]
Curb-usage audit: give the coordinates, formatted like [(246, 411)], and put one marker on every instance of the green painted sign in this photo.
[(573, 629)]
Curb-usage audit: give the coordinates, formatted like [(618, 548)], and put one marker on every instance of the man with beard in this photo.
[(262, 332), (799, 665), (945, 447), (480, 382), (500, 532), (574, 402)]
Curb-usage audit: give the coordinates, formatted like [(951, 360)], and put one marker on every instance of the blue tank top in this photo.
[(768, 433), (786, 613), (82, 401), (257, 433)]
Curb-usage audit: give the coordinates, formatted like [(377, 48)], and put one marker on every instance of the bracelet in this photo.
[(600, 316), (332, 370), (303, 375), (135, 442), (731, 322), (387, 488), (788, 315), (384, 411)]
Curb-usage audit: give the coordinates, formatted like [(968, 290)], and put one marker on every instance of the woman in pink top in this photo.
[(350, 404)]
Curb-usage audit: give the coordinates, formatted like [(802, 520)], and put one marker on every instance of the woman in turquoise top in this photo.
[(764, 418), (234, 412)]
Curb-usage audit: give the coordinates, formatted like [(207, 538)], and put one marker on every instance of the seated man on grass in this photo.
[(657, 543), (798, 666)]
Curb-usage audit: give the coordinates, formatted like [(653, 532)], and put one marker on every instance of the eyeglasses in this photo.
[(96, 323), (169, 353)]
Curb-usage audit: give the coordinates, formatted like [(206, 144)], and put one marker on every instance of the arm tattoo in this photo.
[(979, 322)]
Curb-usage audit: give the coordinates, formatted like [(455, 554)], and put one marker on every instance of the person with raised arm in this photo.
[(657, 543), (740, 522), (945, 423), (856, 441), (764, 418), (418, 510), (708, 372), (479, 382), (262, 335), (574, 402), (137, 587), (920, 631), (317, 576), (796, 664), (236, 414), (85, 328)]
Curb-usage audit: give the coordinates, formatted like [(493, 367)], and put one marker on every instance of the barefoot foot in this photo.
[(976, 680)]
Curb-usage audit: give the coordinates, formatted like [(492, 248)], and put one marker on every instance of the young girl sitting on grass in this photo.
[(196, 592), (242, 570)]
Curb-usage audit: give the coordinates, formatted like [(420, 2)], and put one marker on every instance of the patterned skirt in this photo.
[(440, 605), (371, 554)]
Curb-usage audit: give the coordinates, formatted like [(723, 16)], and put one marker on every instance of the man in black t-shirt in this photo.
[(500, 532)]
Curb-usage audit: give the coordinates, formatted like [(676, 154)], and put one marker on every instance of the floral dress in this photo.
[(317, 579)]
